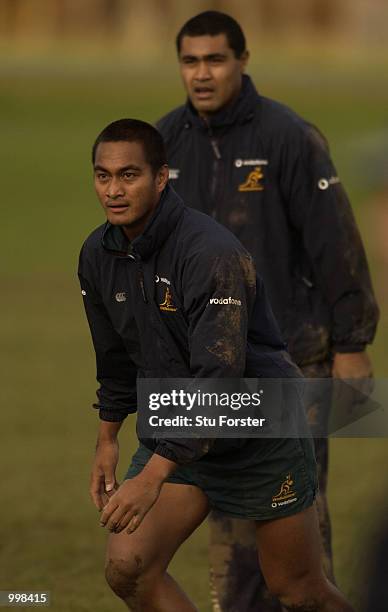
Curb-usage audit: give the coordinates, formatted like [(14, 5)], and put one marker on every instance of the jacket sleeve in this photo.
[(116, 373), (218, 292), (320, 211), (218, 306)]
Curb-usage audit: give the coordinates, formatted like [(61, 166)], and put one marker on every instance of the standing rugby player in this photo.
[(266, 174), (154, 279)]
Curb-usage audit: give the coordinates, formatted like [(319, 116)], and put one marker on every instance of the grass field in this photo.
[(49, 115)]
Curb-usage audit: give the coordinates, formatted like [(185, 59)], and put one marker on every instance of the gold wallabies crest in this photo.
[(253, 181), (285, 490), (167, 304)]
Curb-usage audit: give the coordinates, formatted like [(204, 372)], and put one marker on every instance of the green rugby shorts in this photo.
[(264, 480)]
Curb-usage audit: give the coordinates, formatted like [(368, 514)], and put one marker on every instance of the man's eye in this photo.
[(216, 60), (188, 60), (101, 176), (128, 175)]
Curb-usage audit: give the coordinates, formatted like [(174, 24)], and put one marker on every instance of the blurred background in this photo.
[(67, 68)]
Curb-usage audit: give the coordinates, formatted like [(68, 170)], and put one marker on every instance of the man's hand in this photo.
[(103, 481), (130, 503), (352, 365), (134, 498), (356, 367)]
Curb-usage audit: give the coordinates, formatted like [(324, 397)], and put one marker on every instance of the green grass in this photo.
[(49, 118)]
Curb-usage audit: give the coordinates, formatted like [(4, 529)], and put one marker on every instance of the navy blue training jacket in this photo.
[(266, 174), (182, 300)]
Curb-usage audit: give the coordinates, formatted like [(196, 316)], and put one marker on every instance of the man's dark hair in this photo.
[(213, 23), (134, 130)]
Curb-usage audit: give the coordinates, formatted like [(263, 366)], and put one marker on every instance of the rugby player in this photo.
[(266, 174), (154, 279)]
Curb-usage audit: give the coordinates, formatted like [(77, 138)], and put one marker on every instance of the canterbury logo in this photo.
[(167, 304), (121, 296), (252, 182), (285, 490), (173, 173)]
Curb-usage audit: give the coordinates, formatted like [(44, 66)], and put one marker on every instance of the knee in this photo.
[(311, 593), (125, 577), (302, 592)]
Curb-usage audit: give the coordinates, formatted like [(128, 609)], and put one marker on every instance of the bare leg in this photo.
[(136, 564), (290, 558), (318, 407), (236, 579)]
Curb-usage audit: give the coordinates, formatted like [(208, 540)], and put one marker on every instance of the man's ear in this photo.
[(162, 178), (244, 58)]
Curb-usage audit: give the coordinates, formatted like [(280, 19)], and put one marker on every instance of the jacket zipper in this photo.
[(141, 281), (140, 274), (216, 161)]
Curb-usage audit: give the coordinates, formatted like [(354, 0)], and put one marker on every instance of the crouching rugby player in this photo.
[(156, 280)]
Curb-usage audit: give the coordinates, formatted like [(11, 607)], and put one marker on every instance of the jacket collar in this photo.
[(162, 223), (240, 111)]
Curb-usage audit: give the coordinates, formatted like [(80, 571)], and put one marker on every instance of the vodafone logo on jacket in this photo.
[(226, 300)]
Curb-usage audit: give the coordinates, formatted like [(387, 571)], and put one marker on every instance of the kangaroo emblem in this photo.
[(285, 489), (252, 182), (167, 304)]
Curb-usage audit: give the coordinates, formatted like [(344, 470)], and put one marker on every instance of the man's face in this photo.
[(210, 71), (126, 186)]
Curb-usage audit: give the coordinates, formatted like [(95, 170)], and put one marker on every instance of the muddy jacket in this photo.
[(182, 300), (266, 174)]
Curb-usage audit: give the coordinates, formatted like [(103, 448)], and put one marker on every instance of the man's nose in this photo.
[(202, 73), (115, 188)]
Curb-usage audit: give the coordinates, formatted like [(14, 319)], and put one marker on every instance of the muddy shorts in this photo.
[(266, 479)]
